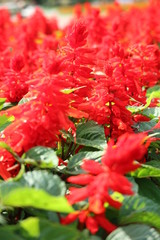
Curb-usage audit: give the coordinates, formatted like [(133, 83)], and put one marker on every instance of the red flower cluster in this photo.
[(92, 69), (36, 123), (105, 62), (103, 178)]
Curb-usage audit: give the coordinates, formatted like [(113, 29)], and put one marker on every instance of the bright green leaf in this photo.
[(70, 90), (2, 101), (5, 121), (37, 198), (150, 169)]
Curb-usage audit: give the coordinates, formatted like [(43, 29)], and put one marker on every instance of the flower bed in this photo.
[(79, 122)]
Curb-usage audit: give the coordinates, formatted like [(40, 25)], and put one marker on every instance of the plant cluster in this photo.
[(79, 125)]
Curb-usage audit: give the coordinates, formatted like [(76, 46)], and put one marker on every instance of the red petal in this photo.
[(92, 167), (92, 225), (96, 205), (104, 223), (70, 218), (82, 179), (77, 195)]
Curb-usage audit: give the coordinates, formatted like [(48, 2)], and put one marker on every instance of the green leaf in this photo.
[(139, 209), (39, 229), (145, 126), (5, 121), (134, 184), (43, 230), (93, 237), (154, 163), (49, 215), (153, 112), (8, 105), (25, 100), (44, 180), (150, 169), (43, 157), (37, 198), (77, 159), (153, 151), (134, 109), (8, 234), (148, 189), (151, 94), (86, 236), (7, 186), (2, 219), (20, 173), (153, 89), (91, 134), (2, 101), (5, 105), (134, 232)]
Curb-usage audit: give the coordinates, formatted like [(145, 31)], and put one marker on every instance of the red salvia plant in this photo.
[(101, 178), (98, 76)]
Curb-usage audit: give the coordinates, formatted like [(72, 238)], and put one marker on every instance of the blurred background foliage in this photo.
[(63, 2)]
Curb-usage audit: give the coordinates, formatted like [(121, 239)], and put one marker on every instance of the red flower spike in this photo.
[(17, 63), (109, 175), (78, 34)]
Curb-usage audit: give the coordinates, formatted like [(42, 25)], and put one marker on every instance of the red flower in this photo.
[(8, 166), (17, 63), (77, 35), (14, 85), (92, 222), (37, 122), (109, 175)]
